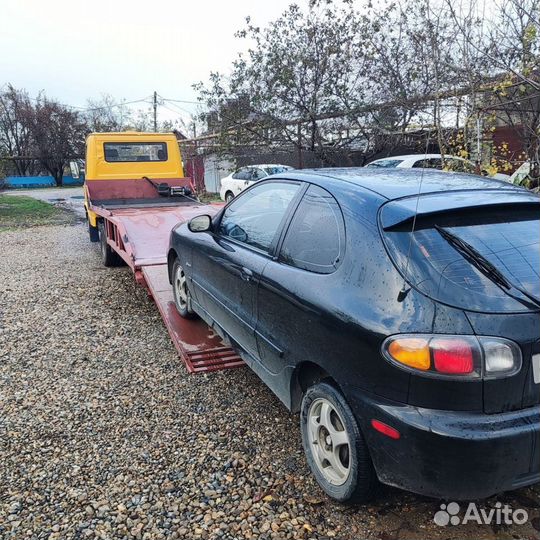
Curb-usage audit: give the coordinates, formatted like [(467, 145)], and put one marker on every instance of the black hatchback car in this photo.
[(405, 328)]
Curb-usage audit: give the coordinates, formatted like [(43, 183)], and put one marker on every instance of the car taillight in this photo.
[(459, 357), (452, 356), (412, 352), (501, 357)]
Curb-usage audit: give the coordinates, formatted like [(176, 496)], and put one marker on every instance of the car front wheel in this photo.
[(335, 448), (229, 196), (182, 297)]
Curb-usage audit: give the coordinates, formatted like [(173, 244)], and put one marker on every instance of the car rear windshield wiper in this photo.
[(487, 268)]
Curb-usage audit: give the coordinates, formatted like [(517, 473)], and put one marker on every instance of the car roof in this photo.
[(396, 183)]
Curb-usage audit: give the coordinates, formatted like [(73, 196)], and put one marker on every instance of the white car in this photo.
[(431, 161), (235, 183)]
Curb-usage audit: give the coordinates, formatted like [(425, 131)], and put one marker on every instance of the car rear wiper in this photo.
[(487, 268)]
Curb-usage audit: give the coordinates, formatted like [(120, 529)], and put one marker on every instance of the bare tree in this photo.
[(108, 114), (16, 129), (58, 136)]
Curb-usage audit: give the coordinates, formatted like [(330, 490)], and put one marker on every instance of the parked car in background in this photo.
[(526, 178), (431, 161), (412, 356), (235, 183)]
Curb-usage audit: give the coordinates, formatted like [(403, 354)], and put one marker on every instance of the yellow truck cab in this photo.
[(127, 159)]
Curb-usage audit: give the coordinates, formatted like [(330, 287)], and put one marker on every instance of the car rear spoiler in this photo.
[(398, 213)]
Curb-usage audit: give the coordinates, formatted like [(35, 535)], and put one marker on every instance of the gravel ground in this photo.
[(103, 434)]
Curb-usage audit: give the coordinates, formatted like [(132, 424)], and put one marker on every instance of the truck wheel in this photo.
[(93, 232), (229, 196), (182, 296), (335, 449), (108, 256)]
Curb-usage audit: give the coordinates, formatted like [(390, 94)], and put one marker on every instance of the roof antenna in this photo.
[(404, 289)]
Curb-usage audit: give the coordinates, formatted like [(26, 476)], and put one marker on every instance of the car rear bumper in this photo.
[(448, 454)]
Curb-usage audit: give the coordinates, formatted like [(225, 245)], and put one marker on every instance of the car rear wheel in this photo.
[(109, 257), (335, 449), (229, 196), (182, 297)]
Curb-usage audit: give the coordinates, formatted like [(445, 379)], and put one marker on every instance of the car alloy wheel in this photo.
[(335, 448), (330, 442), (180, 289), (181, 294)]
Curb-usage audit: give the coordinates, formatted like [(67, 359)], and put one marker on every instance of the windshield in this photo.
[(510, 242)]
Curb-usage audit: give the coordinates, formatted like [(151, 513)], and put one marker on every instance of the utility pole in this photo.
[(155, 111)]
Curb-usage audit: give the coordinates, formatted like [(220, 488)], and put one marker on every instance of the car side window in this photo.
[(258, 174), (255, 217), (240, 174), (315, 240), (430, 163), (385, 164)]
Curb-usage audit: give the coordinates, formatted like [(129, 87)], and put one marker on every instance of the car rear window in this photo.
[(508, 239)]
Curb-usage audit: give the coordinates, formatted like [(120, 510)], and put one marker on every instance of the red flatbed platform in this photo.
[(201, 348), (138, 231)]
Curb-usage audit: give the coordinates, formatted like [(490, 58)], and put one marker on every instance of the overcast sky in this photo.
[(76, 49)]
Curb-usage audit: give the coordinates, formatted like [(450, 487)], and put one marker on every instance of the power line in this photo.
[(177, 107), (179, 113), (91, 109), (182, 101), (146, 99)]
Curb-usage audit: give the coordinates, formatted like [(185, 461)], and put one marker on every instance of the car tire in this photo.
[(335, 449), (229, 196), (182, 296), (109, 257)]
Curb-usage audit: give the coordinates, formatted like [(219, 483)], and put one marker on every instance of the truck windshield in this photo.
[(510, 241), (135, 151)]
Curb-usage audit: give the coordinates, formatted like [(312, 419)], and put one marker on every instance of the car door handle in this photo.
[(246, 273)]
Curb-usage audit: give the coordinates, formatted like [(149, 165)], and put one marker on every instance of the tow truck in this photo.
[(135, 192)]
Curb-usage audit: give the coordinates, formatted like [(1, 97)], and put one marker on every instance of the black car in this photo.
[(405, 328)]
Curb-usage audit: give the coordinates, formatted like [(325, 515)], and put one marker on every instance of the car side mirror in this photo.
[(200, 223)]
